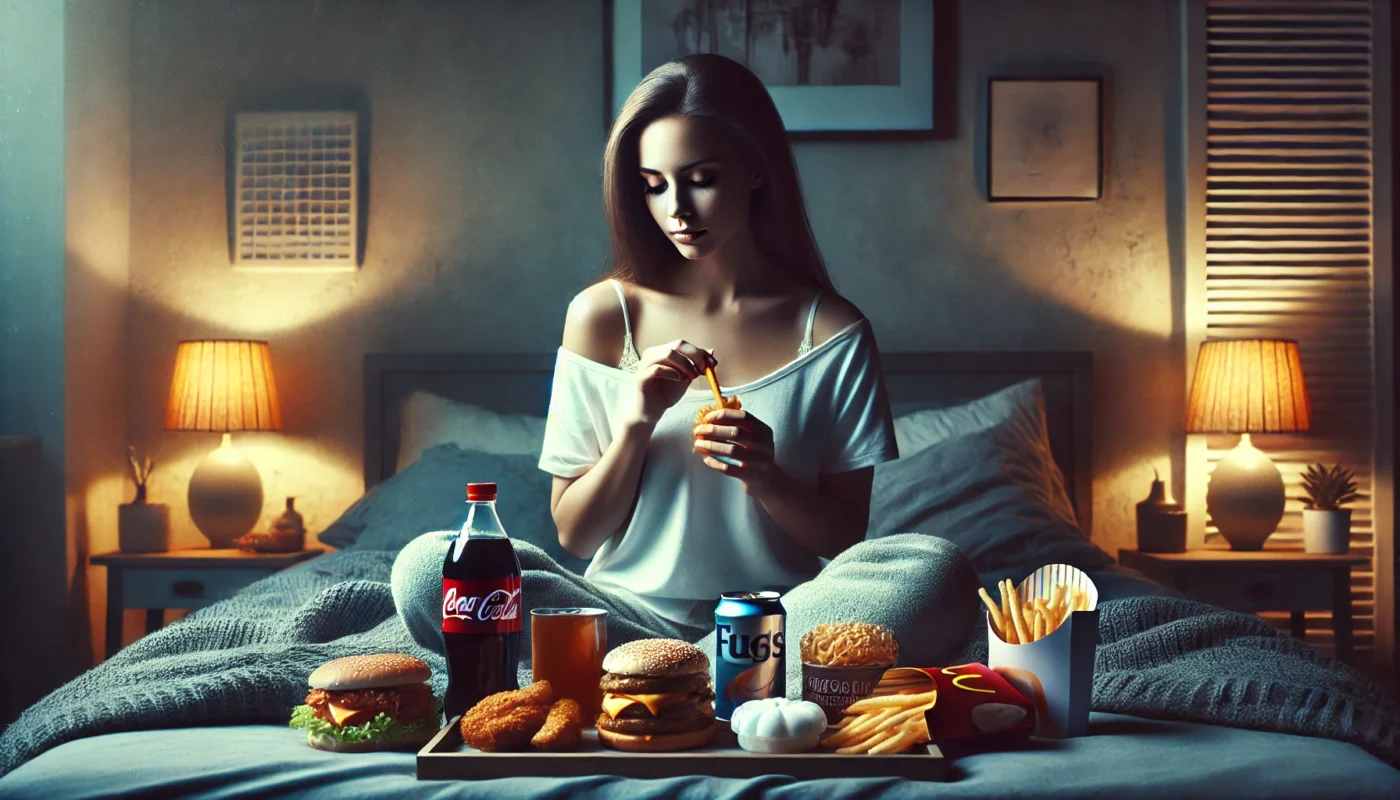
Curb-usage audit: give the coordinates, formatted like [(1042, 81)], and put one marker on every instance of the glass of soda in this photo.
[(566, 648)]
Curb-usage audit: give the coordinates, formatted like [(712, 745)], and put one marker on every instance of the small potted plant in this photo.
[(1326, 525), (142, 527)]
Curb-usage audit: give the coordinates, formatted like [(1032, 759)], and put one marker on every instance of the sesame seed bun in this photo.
[(369, 672), (656, 658)]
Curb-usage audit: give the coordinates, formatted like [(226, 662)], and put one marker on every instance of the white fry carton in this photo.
[(1057, 671)]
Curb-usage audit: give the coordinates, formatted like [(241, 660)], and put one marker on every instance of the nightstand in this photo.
[(186, 579), (1262, 580)]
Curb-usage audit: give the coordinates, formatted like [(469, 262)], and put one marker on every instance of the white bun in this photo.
[(654, 743), (656, 658), (403, 741), (369, 672)]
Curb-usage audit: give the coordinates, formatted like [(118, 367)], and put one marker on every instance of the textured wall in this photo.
[(485, 216), (98, 202)]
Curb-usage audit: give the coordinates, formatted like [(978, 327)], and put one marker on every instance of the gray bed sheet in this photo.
[(1120, 757)]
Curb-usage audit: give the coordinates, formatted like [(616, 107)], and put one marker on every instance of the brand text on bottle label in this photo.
[(491, 606)]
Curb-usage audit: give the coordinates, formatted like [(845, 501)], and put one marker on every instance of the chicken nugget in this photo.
[(507, 720), (539, 693), (562, 728), (510, 730)]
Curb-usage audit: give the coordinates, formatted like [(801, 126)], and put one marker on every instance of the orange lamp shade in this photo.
[(223, 385), (1248, 386)]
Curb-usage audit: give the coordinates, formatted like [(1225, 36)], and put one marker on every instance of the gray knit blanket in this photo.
[(246, 660)]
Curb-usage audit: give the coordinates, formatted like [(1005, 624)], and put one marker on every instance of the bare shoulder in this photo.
[(594, 326), (834, 314)]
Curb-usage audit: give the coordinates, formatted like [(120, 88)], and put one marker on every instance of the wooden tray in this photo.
[(445, 757)]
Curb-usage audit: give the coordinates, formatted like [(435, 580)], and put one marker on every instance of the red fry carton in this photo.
[(1057, 670), (976, 707)]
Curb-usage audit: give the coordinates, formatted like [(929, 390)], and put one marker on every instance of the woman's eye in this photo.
[(657, 189), (705, 181)]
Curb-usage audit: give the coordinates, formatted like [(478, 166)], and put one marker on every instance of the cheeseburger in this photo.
[(656, 696), (362, 703)]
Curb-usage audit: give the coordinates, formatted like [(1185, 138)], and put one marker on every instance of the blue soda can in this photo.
[(749, 662)]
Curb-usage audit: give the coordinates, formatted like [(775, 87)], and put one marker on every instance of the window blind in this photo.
[(1288, 235)]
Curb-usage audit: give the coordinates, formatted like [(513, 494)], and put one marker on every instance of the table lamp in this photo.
[(223, 386), (1247, 386)]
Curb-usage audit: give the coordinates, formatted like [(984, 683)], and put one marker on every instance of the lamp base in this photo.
[(1245, 497), (225, 495)]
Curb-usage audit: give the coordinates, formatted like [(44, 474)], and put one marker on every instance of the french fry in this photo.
[(904, 717), (997, 621), (857, 729), (892, 722), (1019, 621), (1044, 612), (1012, 602), (1022, 621), (865, 745), (905, 737), (896, 702), (1010, 630), (917, 684), (889, 738)]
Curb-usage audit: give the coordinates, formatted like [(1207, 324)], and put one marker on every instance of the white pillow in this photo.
[(429, 420), (916, 430)]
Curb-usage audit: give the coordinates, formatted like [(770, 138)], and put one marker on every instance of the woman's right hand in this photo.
[(664, 374)]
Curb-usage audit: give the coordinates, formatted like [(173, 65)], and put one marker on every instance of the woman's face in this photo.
[(697, 188)]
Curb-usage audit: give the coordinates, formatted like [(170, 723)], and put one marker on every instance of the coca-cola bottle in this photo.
[(481, 617)]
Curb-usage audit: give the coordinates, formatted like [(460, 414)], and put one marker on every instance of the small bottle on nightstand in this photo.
[(290, 524), (1161, 523)]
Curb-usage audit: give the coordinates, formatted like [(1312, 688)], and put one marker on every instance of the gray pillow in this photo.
[(1020, 409), (996, 493), (430, 495)]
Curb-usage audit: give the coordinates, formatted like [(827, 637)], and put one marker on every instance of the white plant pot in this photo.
[(1326, 532)]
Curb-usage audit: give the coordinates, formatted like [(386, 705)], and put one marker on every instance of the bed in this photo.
[(1123, 754)]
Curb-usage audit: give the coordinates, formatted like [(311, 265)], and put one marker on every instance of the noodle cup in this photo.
[(1057, 671), (834, 688)]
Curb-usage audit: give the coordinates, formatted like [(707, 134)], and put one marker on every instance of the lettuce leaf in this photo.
[(379, 727)]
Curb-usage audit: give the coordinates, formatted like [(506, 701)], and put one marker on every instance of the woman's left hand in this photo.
[(743, 438)]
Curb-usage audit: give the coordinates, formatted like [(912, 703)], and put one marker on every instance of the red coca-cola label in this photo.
[(481, 606)]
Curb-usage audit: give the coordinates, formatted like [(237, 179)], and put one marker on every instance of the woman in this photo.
[(715, 265)]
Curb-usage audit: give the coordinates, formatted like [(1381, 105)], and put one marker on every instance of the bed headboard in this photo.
[(519, 383)]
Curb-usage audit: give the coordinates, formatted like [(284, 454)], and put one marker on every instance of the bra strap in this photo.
[(630, 357), (811, 325), (622, 299)]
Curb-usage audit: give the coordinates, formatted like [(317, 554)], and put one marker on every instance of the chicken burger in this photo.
[(363, 703)]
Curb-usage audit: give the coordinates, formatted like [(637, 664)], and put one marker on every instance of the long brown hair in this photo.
[(720, 90)]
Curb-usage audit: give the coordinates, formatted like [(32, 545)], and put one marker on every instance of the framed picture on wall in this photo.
[(1044, 139), (849, 69)]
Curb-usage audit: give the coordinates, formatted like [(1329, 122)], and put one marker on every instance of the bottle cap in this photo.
[(481, 492)]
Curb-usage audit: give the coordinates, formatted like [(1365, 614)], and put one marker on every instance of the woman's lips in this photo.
[(687, 237)]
